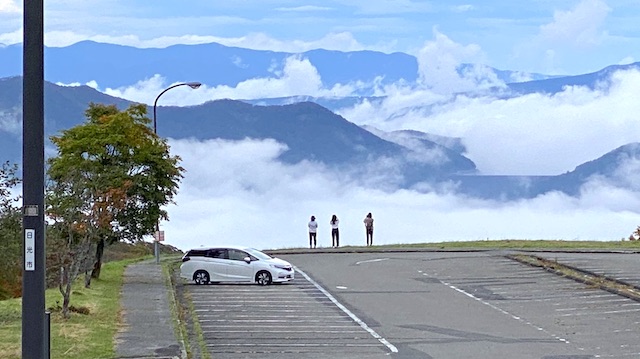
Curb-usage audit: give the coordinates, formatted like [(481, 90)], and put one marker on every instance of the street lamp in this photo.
[(193, 85)]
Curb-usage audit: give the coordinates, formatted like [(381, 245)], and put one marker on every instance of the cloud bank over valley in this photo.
[(238, 192)]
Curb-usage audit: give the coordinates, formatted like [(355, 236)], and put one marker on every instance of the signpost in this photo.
[(33, 277), (158, 237)]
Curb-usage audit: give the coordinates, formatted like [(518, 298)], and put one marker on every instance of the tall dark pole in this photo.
[(33, 277), (193, 85)]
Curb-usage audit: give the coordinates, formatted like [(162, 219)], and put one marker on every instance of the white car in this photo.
[(234, 264)]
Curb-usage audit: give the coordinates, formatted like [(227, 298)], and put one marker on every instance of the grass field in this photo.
[(83, 335), (529, 244), (515, 244)]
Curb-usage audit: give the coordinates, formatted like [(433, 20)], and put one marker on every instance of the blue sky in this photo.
[(546, 36)]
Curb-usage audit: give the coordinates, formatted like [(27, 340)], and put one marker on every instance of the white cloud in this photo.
[(93, 84), (237, 192), (438, 63), (627, 60), (305, 8), (580, 26), (10, 38), (527, 135), (9, 7), (463, 8), (393, 7), (11, 121), (297, 76), (563, 44)]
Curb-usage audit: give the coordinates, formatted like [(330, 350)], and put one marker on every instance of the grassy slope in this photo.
[(81, 336)]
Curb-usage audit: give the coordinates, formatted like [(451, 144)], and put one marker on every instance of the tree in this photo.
[(71, 235), (10, 234), (112, 176)]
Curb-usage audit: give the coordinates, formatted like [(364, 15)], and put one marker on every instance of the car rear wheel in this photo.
[(201, 277), (263, 278)]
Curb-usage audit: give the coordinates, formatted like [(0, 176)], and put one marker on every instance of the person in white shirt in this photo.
[(313, 228), (335, 233), (368, 226)]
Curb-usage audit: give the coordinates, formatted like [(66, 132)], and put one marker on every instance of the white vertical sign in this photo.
[(29, 249)]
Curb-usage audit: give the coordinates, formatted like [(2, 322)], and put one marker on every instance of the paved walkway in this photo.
[(148, 330)]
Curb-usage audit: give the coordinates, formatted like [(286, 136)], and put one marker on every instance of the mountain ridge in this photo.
[(312, 133)]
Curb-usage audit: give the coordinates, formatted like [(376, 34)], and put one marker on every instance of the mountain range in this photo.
[(311, 133), (308, 126), (115, 66)]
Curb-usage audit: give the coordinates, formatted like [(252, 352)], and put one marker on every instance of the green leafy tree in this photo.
[(10, 234), (112, 176)]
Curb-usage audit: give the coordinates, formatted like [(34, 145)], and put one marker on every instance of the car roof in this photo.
[(243, 248)]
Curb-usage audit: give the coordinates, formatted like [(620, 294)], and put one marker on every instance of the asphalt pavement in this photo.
[(148, 330)]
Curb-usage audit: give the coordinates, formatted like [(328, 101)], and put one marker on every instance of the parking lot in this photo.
[(293, 320), (423, 305)]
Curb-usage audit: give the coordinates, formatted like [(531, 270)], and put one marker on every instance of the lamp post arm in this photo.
[(193, 85)]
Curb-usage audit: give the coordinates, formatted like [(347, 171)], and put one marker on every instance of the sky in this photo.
[(238, 192), (547, 36)]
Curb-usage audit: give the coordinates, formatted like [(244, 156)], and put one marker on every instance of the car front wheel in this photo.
[(201, 277), (263, 278)]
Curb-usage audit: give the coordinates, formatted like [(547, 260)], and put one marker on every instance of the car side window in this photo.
[(196, 253), (237, 255), (217, 253)]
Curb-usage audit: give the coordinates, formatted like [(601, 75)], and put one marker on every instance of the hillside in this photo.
[(313, 133), (310, 131)]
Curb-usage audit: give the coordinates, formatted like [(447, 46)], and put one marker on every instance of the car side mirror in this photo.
[(247, 259)]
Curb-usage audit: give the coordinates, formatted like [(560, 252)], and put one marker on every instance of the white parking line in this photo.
[(592, 307), (504, 311), (296, 345), (272, 331), (372, 260), (364, 325), (594, 313)]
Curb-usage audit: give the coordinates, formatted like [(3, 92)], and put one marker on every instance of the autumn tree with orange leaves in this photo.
[(109, 182)]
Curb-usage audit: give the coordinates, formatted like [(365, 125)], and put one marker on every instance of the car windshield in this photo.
[(256, 253)]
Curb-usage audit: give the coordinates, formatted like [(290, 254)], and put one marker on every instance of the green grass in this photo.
[(526, 244), (522, 244), (81, 336)]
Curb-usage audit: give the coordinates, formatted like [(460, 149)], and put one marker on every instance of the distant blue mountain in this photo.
[(558, 84), (313, 133), (114, 66)]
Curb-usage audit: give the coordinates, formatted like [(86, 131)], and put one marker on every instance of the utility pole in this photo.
[(34, 335)]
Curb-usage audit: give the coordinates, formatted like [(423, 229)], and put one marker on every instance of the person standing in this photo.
[(313, 229), (335, 233), (368, 226)]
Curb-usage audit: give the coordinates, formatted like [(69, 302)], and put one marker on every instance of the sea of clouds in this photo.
[(238, 192)]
